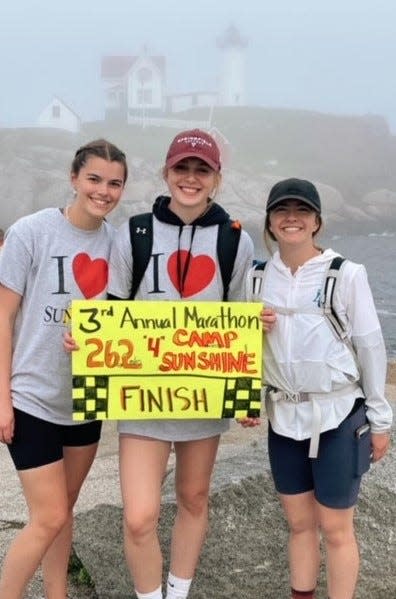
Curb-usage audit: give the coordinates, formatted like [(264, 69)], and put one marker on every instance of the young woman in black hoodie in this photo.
[(183, 265)]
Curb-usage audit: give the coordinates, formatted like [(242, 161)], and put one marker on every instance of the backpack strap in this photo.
[(328, 297), (141, 233), (335, 322), (258, 265), (257, 278), (228, 236)]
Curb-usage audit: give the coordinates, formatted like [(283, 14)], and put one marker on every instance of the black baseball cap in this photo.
[(294, 189)]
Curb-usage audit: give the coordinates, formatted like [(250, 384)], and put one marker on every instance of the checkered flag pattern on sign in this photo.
[(242, 398), (90, 397)]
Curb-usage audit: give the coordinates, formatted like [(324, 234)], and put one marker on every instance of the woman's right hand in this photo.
[(6, 422), (69, 343), (268, 319)]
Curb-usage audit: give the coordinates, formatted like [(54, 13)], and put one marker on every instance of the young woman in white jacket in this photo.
[(328, 416)]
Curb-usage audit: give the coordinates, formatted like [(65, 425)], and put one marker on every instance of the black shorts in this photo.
[(37, 442)]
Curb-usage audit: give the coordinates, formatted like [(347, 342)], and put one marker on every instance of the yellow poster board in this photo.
[(149, 360)]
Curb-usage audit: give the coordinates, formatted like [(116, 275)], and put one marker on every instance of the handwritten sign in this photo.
[(149, 360)]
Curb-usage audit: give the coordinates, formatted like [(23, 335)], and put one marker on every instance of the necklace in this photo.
[(66, 214)]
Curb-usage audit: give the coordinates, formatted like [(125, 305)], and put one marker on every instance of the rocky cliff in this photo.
[(350, 160)]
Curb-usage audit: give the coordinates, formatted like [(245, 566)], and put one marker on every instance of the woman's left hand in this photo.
[(69, 343), (268, 319), (380, 443)]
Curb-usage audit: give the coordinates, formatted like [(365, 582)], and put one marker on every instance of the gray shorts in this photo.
[(335, 475)]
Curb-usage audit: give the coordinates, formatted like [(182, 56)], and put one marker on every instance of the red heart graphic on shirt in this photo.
[(200, 273), (91, 275)]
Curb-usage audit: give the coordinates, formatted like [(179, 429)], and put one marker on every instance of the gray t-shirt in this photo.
[(49, 262)]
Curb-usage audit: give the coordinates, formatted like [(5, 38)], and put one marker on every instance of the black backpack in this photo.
[(141, 233)]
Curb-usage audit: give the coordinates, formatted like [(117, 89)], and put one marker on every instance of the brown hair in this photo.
[(102, 149)]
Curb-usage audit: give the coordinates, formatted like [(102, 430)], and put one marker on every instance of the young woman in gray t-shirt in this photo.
[(48, 259)]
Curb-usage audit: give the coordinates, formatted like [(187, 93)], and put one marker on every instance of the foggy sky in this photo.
[(336, 57)]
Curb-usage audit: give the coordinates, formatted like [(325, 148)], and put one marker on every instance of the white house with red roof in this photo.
[(136, 88), (134, 84)]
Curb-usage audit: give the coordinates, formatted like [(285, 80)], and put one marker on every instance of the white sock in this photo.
[(157, 594), (177, 588)]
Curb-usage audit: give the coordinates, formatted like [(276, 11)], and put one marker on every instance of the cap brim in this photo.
[(175, 159), (295, 196)]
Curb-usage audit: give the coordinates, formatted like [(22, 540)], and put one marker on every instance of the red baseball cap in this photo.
[(194, 144)]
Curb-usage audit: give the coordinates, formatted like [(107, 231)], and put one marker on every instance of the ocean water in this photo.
[(378, 253)]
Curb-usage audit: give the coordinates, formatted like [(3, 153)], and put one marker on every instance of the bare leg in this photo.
[(342, 551), (194, 466), (142, 467), (46, 497), (304, 539), (77, 462)]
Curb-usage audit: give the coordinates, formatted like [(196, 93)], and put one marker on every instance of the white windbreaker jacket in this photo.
[(302, 355)]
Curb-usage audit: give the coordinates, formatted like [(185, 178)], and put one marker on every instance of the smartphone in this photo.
[(362, 430)]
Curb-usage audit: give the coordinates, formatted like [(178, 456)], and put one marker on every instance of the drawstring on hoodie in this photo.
[(212, 215), (182, 269)]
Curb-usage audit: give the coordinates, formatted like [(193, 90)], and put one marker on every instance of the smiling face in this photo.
[(292, 222), (191, 182), (98, 185)]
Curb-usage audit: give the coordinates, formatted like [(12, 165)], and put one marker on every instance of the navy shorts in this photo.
[(37, 442), (335, 475)]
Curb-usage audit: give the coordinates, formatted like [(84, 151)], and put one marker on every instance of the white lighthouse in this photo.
[(232, 90)]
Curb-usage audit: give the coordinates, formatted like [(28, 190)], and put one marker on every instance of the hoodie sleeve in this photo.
[(243, 262)]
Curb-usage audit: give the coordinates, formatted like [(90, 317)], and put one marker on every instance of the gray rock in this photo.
[(34, 175), (245, 554)]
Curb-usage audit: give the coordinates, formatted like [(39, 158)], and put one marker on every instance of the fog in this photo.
[(333, 57)]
